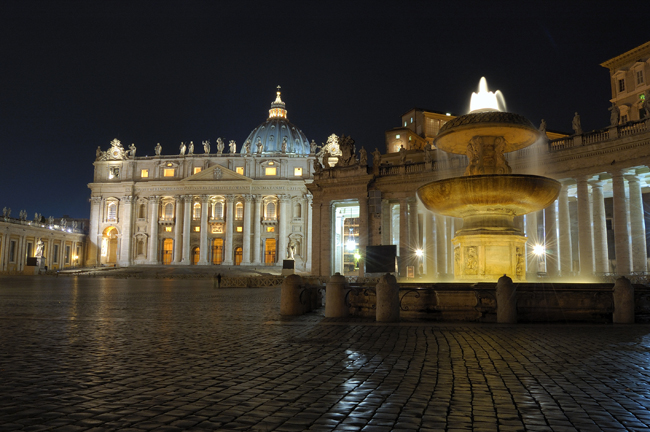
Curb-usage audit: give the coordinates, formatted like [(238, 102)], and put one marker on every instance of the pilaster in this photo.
[(153, 230), (246, 247), (257, 230), (126, 223), (203, 235), (187, 226), (228, 253)]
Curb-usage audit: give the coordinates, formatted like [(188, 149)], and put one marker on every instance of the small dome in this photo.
[(276, 130)]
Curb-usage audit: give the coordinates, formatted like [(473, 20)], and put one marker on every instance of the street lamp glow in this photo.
[(419, 252), (539, 250)]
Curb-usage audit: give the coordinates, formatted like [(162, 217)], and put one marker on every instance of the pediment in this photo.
[(217, 173)]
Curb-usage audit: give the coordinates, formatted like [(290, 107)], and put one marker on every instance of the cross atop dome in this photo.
[(278, 107)]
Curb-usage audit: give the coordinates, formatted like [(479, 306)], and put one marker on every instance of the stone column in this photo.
[(187, 226), (283, 223), (441, 242), (326, 229), (600, 228), (228, 253), (430, 249), (621, 223), (93, 233), (127, 223), (257, 227), (386, 222), (531, 234), (363, 231), (204, 245), (564, 218), (550, 241), (414, 234), (585, 243), (403, 236), (308, 252), (246, 246), (153, 230), (178, 230), (637, 226)]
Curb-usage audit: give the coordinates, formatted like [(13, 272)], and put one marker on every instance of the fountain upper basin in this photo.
[(509, 195)]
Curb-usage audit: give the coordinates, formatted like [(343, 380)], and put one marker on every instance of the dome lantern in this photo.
[(278, 107)]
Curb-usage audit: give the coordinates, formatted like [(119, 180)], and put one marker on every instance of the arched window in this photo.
[(297, 210), (196, 214), (142, 211), (218, 211), (270, 211), (112, 211), (169, 211), (239, 211)]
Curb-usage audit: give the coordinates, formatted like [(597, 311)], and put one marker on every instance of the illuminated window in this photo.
[(621, 85), (112, 211), (239, 211), (404, 124), (196, 214), (411, 119), (240, 229), (270, 211), (270, 171), (297, 172), (270, 229), (239, 170), (169, 211), (144, 173), (397, 136), (197, 170), (410, 138), (169, 172), (217, 211), (197, 229), (168, 229)]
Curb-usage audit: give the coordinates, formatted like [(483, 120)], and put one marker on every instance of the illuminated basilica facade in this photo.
[(215, 204)]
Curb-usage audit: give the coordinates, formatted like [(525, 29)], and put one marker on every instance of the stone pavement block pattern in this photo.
[(140, 355)]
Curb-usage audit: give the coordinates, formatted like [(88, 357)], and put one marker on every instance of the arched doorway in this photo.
[(167, 251), (109, 246), (195, 255), (217, 251), (239, 254), (269, 252)]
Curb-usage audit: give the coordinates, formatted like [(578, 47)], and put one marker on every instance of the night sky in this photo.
[(75, 75)]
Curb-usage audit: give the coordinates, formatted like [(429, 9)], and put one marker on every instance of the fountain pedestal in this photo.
[(480, 257)]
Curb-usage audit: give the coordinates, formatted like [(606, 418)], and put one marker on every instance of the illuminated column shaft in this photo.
[(621, 219), (228, 253), (283, 222), (637, 226), (531, 233), (403, 235), (203, 235), (93, 234), (153, 230), (307, 252), (600, 228), (441, 243), (430, 249), (584, 228), (414, 239), (178, 230), (564, 218), (127, 213), (451, 232), (246, 246), (385, 222), (187, 220), (550, 234), (257, 227), (363, 231)]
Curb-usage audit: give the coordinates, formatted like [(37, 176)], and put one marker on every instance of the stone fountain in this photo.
[(488, 196)]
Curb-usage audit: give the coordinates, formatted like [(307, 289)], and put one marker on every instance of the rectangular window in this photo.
[(55, 254), (397, 136), (144, 173), (197, 170), (240, 229), (197, 229), (168, 229), (624, 118), (621, 85), (639, 77), (239, 170), (169, 172), (270, 229), (297, 172), (12, 251), (270, 171)]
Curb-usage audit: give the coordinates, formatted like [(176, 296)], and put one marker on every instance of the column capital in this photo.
[(204, 198), (96, 200), (284, 198), (187, 198), (632, 178), (230, 198), (258, 198), (596, 183), (248, 198), (154, 198), (127, 199)]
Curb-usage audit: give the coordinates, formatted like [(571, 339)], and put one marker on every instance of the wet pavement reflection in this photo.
[(131, 354)]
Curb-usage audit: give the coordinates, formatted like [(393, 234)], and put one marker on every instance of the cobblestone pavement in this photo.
[(132, 355)]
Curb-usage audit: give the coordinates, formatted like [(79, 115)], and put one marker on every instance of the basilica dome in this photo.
[(276, 130)]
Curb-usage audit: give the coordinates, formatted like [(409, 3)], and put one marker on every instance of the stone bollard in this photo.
[(387, 299), (623, 301), (335, 292), (290, 296), (506, 301)]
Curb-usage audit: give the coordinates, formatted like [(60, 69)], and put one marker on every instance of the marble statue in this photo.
[(220, 146), (428, 154), (376, 157), (75, 224), (63, 222), (132, 150), (363, 157), (247, 147), (402, 155), (4, 212), (313, 147), (326, 159), (39, 248), (284, 145), (206, 147), (576, 125), (291, 248), (50, 220), (233, 147), (542, 126), (346, 145), (182, 149), (158, 149), (190, 148), (318, 168), (98, 152), (260, 146), (615, 114)]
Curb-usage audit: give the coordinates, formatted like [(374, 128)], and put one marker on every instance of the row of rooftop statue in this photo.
[(38, 218)]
